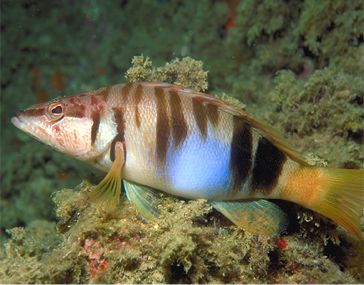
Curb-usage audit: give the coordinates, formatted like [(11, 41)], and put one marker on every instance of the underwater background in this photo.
[(298, 65)]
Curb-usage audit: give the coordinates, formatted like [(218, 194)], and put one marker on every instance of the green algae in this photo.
[(185, 71)]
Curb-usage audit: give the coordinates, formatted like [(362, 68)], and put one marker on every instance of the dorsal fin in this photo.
[(265, 130), (235, 110), (276, 138)]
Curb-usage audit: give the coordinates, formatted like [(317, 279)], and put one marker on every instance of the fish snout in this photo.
[(17, 120)]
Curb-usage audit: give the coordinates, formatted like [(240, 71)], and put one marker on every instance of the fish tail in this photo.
[(344, 198), (338, 194)]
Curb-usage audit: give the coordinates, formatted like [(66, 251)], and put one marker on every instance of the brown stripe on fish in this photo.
[(163, 129), (268, 164), (95, 126), (120, 128), (212, 114), (75, 110), (118, 138), (126, 91), (137, 98), (179, 126), (104, 93), (33, 112), (199, 113), (240, 153)]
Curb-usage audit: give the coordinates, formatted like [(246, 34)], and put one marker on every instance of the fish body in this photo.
[(187, 144)]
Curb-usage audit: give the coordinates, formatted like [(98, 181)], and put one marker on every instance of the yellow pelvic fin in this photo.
[(258, 217), (144, 198), (107, 192), (342, 198)]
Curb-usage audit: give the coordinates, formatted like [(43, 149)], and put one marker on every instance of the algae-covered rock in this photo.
[(183, 245), (188, 243)]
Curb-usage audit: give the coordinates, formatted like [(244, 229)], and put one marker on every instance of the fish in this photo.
[(152, 137)]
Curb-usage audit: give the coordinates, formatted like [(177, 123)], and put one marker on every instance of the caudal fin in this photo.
[(342, 198)]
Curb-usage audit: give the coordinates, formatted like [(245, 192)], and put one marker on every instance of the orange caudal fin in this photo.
[(342, 198), (338, 194)]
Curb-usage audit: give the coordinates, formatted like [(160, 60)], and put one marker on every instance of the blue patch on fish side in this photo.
[(200, 168)]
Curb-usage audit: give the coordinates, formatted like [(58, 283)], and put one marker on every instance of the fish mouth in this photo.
[(28, 127), (18, 122)]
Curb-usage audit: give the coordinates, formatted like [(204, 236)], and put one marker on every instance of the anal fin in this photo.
[(107, 192), (143, 197), (258, 216)]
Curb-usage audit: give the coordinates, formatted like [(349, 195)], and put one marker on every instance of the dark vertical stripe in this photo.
[(95, 126), (179, 126), (119, 120), (125, 91), (137, 98), (163, 129), (199, 113), (268, 164), (104, 93), (240, 153), (118, 138), (213, 114)]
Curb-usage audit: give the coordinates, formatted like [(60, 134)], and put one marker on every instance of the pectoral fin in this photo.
[(143, 197), (107, 192), (259, 216)]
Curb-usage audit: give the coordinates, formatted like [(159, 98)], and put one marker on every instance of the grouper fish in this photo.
[(151, 137)]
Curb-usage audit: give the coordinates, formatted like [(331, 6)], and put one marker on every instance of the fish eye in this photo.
[(56, 110)]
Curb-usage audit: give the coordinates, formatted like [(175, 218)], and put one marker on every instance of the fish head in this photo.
[(65, 124)]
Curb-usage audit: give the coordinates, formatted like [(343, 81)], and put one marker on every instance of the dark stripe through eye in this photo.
[(57, 110)]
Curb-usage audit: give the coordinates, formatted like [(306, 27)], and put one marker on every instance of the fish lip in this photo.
[(18, 122), (24, 126)]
